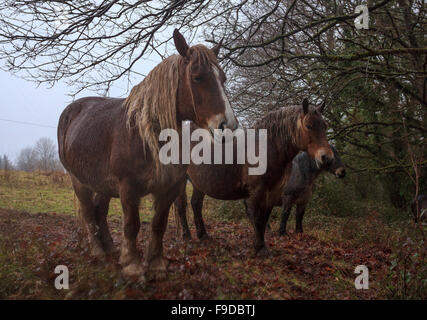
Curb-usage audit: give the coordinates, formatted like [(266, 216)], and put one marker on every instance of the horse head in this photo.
[(201, 92), (336, 167), (312, 132)]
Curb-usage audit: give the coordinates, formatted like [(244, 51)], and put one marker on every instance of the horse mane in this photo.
[(281, 124), (151, 105), (201, 55)]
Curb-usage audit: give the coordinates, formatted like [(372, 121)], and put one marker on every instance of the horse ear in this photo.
[(180, 43), (322, 107), (217, 47), (305, 106)]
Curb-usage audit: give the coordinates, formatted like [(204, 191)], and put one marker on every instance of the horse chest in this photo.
[(305, 195), (274, 196)]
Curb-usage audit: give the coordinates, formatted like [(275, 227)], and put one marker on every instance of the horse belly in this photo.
[(218, 181)]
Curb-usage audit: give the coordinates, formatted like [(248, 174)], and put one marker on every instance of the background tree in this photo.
[(6, 164), (27, 159), (46, 154), (374, 80)]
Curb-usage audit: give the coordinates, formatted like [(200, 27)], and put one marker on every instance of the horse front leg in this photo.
[(181, 206), (299, 217), (259, 215), (197, 205), (154, 262), (286, 211), (129, 258)]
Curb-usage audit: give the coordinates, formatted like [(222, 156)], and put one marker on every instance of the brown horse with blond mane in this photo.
[(111, 146), (289, 130)]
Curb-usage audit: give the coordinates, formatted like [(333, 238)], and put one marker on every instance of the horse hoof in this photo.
[(97, 252), (133, 270), (152, 275), (186, 237), (127, 259), (142, 281), (263, 252), (156, 270), (204, 237)]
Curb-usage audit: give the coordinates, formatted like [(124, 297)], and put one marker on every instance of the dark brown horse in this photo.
[(299, 178), (289, 130), (110, 147), (296, 188)]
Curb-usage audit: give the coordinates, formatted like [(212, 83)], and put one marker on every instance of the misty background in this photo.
[(29, 112)]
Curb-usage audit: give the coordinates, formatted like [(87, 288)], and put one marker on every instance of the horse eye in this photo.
[(309, 126), (197, 78)]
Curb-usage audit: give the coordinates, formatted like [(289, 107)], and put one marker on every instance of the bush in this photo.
[(357, 195), (407, 278), (225, 210)]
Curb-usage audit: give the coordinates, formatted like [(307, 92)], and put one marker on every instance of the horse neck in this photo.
[(282, 135), (313, 170), (284, 149)]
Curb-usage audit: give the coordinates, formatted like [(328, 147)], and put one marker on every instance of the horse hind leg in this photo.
[(88, 211), (102, 203)]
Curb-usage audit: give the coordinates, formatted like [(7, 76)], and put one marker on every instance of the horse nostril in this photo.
[(324, 159), (340, 173), (222, 125)]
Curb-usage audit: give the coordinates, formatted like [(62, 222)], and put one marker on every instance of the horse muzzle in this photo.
[(323, 158), (340, 173), (219, 124)]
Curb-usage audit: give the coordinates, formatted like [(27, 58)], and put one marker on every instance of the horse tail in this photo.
[(69, 113)]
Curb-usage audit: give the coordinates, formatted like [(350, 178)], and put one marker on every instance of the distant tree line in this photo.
[(5, 163), (42, 156)]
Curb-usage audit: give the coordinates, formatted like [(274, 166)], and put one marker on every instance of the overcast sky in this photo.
[(23, 101)]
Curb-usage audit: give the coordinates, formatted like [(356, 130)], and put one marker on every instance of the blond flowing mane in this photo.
[(151, 105), (281, 124)]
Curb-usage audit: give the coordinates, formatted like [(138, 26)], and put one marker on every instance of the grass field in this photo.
[(37, 192), (39, 230)]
